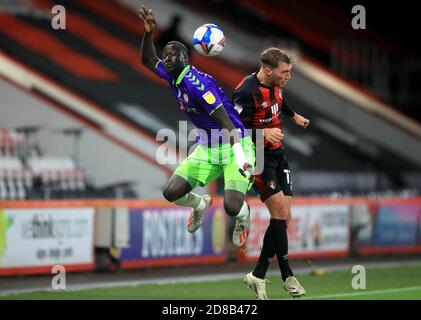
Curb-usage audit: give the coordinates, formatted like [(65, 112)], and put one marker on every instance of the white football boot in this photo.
[(241, 230), (257, 285), (293, 287), (195, 219)]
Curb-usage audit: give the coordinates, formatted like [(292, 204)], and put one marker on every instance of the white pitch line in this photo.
[(129, 283), (363, 293)]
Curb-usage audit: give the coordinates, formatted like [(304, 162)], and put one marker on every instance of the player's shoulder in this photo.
[(196, 79), (188, 78), (160, 69), (246, 89), (198, 73), (248, 84), (194, 75)]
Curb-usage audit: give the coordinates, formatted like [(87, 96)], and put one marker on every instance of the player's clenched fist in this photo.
[(247, 171), (299, 120), (273, 135)]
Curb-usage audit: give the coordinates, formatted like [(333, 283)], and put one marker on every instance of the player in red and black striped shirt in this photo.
[(259, 100)]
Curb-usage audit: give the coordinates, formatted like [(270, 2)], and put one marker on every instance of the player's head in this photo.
[(175, 57), (276, 66)]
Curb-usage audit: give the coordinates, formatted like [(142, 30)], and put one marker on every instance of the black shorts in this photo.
[(275, 177)]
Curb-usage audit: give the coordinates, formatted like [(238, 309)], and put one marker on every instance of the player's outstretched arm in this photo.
[(298, 119), (220, 115), (301, 121), (148, 52)]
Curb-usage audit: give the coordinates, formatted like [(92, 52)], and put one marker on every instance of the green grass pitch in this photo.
[(381, 283)]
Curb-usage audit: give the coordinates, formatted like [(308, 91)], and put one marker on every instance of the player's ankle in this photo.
[(243, 213)]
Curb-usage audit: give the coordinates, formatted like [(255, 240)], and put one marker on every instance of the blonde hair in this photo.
[(271, 57)]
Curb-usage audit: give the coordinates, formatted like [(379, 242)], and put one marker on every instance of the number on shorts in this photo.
[(287, 173)]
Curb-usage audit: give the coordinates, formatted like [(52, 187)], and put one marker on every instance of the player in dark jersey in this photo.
[(205, 103), (260, 101)]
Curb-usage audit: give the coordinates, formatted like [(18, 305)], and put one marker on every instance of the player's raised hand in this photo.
[(299, 120), (273, 135), (243, 165), (148, 19), (247, 171)]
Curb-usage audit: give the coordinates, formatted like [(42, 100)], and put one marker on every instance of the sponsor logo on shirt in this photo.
[(209, 97), (267, 119), (275, 108)]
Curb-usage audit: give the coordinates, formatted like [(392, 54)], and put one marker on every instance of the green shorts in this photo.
[(206, 164)]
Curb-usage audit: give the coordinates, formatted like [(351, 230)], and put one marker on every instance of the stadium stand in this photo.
[(27, 173), (116, 82), (378, 58)]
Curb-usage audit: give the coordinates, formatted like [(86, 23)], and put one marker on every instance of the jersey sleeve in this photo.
[(244, 104), (286, 109), (205, 94), (160, 71)]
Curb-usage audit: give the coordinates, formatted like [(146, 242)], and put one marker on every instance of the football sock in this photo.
[(266, 255), (243, 212), (191, 200), (280, 241)]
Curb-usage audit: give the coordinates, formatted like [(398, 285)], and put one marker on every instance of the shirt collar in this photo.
[(182, 74)]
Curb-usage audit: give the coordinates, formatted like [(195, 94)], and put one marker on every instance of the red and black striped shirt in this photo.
[(261, 106)]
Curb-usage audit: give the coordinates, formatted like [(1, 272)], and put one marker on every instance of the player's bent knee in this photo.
[(170, 194), (279, 215), (277, 209), (279, 212), (232, 208)]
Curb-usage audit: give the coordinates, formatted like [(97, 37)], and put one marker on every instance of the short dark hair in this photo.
[(180, 46), (271, 57)]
